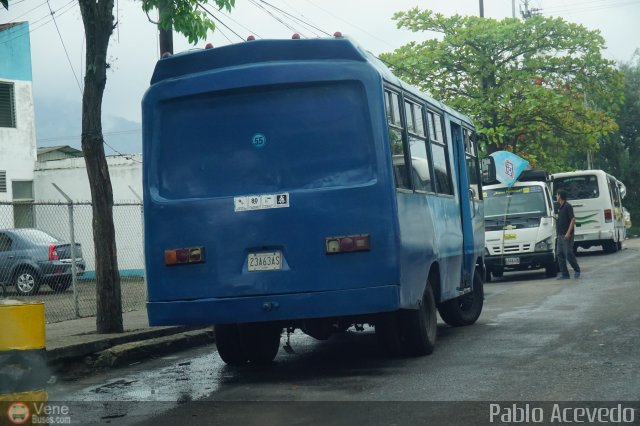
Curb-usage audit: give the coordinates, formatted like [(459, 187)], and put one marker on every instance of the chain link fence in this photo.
[(38, 259)]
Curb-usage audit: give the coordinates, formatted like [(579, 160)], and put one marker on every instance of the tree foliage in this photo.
[(539, 87), (186, 17), (619, 153)]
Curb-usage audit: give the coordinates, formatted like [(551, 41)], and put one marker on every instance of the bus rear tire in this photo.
[(262, 342), (420, 326), (465, 309), (388, 333), (229, 344)]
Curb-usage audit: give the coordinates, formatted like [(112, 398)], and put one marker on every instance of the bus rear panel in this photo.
[(280, 189)]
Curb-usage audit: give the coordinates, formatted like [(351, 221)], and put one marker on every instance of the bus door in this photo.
[(466, 203)]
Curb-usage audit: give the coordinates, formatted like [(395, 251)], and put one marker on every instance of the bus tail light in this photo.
[(347, 244), (183, 256), (608, 216)]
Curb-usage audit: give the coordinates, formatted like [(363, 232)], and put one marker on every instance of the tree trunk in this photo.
[(97, 16)]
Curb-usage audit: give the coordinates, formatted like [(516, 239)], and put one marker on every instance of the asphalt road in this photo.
[(538, 341)]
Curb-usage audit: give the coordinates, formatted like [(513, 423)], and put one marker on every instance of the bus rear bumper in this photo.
[(282, 307)]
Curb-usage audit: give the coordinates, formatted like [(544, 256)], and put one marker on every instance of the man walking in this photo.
[(564, 245)]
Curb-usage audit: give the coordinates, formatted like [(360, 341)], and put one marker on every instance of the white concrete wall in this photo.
[(71, 176), (18, 145)]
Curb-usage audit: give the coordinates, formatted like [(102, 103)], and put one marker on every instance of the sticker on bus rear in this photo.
[(261, 202)]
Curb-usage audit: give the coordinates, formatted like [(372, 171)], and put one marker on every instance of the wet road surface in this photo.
[(538, 339)]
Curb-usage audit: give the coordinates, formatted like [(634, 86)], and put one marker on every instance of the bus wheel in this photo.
[(388, 333), (229, 344), (262, 341), (465, 309), (420, 326)]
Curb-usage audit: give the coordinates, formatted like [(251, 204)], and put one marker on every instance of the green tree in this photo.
[(186, 17), (529, 85), (619, 153)]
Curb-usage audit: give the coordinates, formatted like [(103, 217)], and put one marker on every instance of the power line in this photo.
[(259, 6), (303, 22), (64, 47), (222, 23), (239, 24)]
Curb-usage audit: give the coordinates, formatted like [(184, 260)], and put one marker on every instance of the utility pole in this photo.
[(528, 13), (513, 9), (482, 8)]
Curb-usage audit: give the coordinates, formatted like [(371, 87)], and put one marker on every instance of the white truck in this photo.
[(520, 228)]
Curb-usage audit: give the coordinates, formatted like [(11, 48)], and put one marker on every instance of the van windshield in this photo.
[(578, 187), (515, 201)]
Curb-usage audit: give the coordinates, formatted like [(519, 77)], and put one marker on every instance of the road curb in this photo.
[(77, 347), (127, 353)]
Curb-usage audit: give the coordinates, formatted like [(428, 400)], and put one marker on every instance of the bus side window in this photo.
[(421, 170), (473, 166), (442, 172), (400, 172)]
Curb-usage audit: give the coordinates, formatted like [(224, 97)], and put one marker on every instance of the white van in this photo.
[(596, 198), (520, 230)]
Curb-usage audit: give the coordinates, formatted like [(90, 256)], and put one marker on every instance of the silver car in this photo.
[(31, 257)]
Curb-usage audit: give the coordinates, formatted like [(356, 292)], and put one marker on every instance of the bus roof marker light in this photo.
[(209, 46), (296, 36), (337, 34), (251, 38)]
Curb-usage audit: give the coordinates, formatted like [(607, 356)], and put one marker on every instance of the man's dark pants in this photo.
[(564, 250)]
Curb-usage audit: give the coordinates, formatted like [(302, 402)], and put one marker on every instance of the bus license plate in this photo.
[(511, 260), (271, 261)]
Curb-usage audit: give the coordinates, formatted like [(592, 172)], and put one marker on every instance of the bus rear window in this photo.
[(265, 140), (578, 187)]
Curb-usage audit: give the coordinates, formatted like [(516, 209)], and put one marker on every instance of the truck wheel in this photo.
[(229, 344), (551, 270), (420, 326), (262, 341), (487, 276), (465, 309), (26, 282)]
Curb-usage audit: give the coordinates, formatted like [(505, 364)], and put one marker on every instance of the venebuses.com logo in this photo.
[(18, 413)]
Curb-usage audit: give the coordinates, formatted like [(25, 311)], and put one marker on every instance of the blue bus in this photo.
[(298, 184)]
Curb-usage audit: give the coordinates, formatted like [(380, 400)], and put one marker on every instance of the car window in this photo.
[(5, 242)]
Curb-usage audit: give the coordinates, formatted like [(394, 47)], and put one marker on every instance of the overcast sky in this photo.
[(58, 51)]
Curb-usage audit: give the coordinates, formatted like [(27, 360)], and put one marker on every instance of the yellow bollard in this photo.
[(23, 360), (22, 325)]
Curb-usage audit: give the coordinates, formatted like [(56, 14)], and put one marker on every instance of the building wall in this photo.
[(71, 176), (15, 52), (17, 145)]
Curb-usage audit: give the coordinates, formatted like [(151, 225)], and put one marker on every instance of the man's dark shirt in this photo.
[(565, 214)]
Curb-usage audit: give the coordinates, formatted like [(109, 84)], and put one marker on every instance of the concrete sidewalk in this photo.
[(76, 341)]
